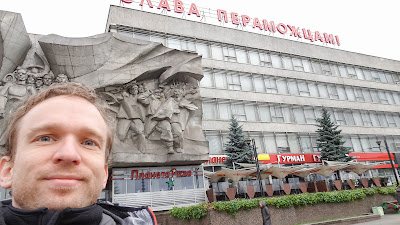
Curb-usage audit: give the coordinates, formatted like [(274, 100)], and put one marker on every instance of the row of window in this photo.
[(226, 52), (220, 109), (124, 184), (300, 142), (269, 84)]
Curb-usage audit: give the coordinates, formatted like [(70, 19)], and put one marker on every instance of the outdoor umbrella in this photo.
[(212, 176), (278, 172), (235, 175), (325, 170), (359, 168), (302, 172)]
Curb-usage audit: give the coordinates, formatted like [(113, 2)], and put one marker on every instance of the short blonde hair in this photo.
[(68, 89)]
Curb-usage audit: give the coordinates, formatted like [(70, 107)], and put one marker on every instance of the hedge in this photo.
[(296, 200)]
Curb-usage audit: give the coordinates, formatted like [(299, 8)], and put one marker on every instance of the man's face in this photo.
[(38, 83), (21, 75), (59, 156), (47, 80)]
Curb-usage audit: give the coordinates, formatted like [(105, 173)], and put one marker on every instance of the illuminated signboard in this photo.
[(240, 21)]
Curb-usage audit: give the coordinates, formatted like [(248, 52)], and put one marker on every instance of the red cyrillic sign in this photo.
[(245, 20)]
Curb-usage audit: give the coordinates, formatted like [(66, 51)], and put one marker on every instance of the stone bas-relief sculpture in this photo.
[(152, 91), (152, 111)]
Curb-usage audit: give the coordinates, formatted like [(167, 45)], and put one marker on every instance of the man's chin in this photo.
[(59, 200)]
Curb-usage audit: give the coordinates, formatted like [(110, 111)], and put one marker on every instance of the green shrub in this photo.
[(191, 212), (297, 200)]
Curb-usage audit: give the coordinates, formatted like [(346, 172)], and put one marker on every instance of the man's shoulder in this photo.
[(125, 215)]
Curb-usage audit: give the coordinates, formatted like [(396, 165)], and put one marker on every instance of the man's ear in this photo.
[(105, 176), (6, 166)]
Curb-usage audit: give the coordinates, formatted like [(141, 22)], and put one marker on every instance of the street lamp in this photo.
[(252, 143), (390, 158)]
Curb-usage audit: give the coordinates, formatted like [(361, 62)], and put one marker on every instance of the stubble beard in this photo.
[(54, 198)]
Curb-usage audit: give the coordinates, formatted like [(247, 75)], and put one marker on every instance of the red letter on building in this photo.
[(256, 23), (164, 4), (294, 31), (269, 27), (329, 38), (307, 35), (148, 2), (337, 40), (220, 12), (179, 6), (235, 18), (281, 28), (194, 10), (317, 36), (245, 20)]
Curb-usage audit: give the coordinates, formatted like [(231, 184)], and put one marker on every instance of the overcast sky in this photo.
[(364, 26)]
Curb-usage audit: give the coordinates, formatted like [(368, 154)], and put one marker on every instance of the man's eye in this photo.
[(89, 143), (45, 139)]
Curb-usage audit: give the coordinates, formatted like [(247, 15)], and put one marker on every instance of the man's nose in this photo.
[(67, 152)]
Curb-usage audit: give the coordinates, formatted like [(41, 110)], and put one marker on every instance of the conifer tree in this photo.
[(237, 149), (330, 140)]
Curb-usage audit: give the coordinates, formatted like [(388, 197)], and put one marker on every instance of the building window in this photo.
[(276, 114), (276, 61), (287, 62), (203, 49), (174, 42), (339, 116), (239, 112), (297, 64), (359, 95), (259, 84), (254, 58), (390, 119), (366, 118), (316, 67), (209, 110), (208, 80), (375, 76), (188, 45), (303, 88), (220, 79), (265, 113), (282, 143), (233, 81), (214, 142), (382, 97), (241, 55), (216, 52), (229, 53), (309, 115), (270, 84), (326, 69), (351, 72), (333, 94), (224, 109), (265, 59)]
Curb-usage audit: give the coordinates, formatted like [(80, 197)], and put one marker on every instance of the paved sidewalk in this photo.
[(387, 219)]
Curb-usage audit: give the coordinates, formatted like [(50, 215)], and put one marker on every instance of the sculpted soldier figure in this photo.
[(47, 80), (132, 115), (61, 78), (14, 92), (38, 83), (171, 118), (56, 161)]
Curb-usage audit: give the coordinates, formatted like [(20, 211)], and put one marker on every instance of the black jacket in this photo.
[(102, 213)]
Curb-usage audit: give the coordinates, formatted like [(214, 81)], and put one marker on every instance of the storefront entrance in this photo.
[(161, 188)]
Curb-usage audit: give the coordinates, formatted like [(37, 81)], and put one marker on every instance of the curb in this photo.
[(351, 220)]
